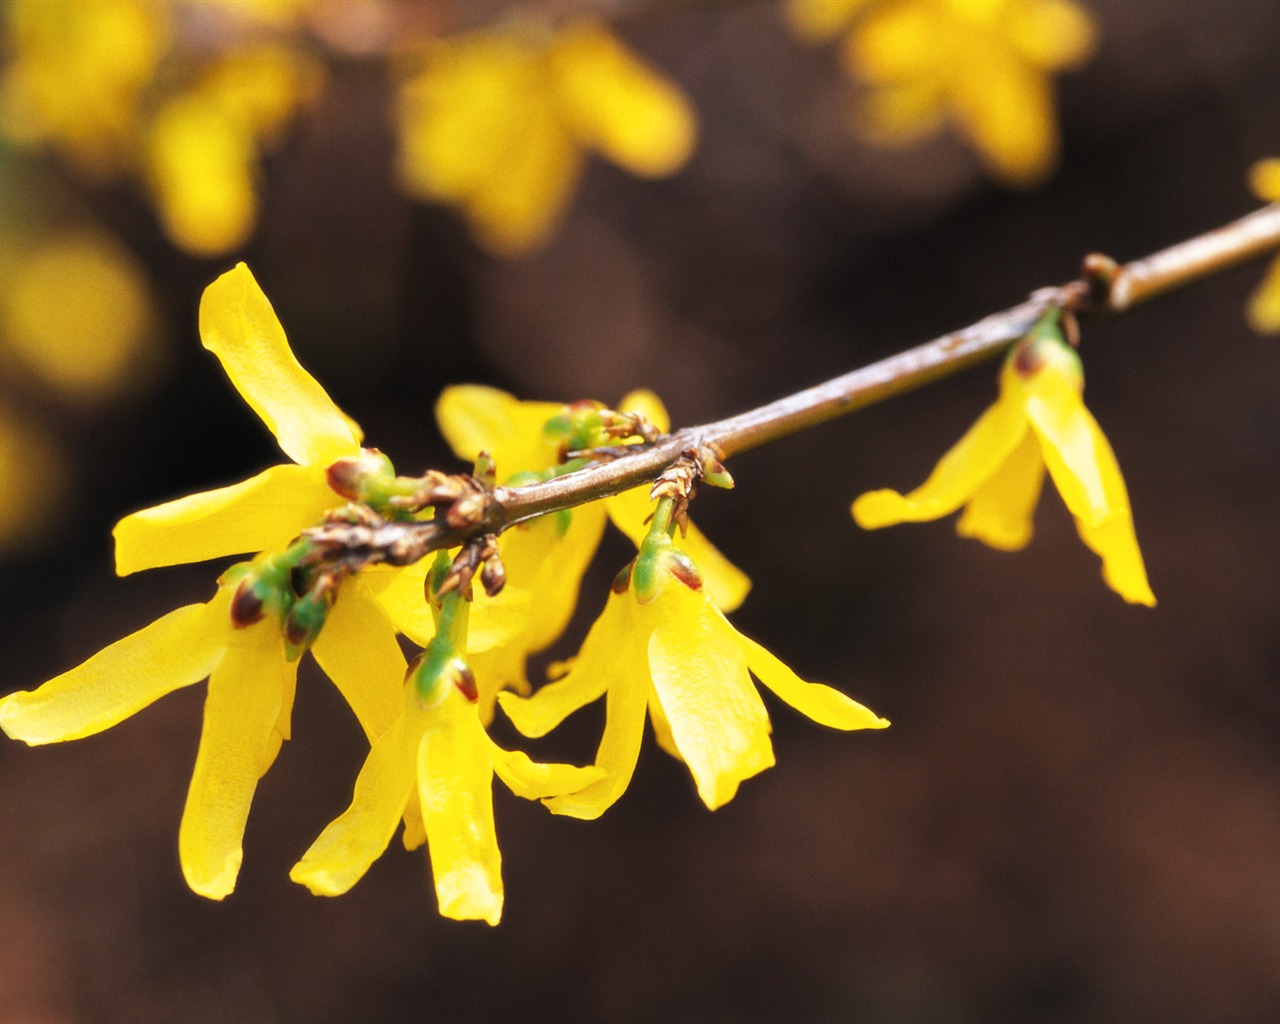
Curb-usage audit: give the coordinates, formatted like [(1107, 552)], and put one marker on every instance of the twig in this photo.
[(1105, 289)]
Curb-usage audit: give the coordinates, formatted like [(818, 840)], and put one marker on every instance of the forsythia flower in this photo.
[(1264, 306), (247, 657), (997, 468), (545, 558), (663, 646), (433, 768), (498, 121), (985, 65), (266, 511)]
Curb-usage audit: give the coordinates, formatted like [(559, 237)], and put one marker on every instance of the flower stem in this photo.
[(1105, 289)]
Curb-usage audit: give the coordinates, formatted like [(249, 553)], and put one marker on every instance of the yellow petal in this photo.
[(1008, 112), (455, 786), (241, 712), (958, 475), (619, 105), (585, 682), (1264, 179), (350, 843), (201, 166), (358, 650), (1264, 304), (816, 21), (1085, 471), (1001, 510), (238, 325), (718, 722), (662, 728), (1051, 34), (621, 667), (262, 513), (176, 650), (825, 705), (534, 780), (475, 418)]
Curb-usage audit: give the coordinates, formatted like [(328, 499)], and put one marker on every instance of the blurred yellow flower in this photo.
[(1264, 305), (983, 65), (996, 470), (113, 88), (35, 484), (498, 121), (77, 74), (676, 656), (76, 310), (202, 146)]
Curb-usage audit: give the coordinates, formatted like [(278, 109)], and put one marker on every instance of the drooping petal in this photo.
[(176, 650), (358, 650), (1085, 471), (241, 712), (718, 722), (263, 513), (475, 418), (825, 705), (957, 476), (1001, 510), (1008, 112), (355, 839), (617, 104), (238, 325), (1264, 304), (455, 787), (612, 660), (534, 780), (592, 672)]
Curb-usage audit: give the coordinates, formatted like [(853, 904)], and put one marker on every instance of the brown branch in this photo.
[(1105, 289)]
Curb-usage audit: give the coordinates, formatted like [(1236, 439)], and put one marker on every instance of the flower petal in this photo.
[(455, 787), (718, 722), (176, 650), (350, 843), (241, 712), (957, 476), (620, 105), (475, 418), (238, 325), (824, 704), (1001, 510), (358, 650), (1264, 304), (534, 780), (263, 513), (1086, 473), (585, 682)]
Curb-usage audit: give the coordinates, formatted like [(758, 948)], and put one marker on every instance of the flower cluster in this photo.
[(983, 66), (661, 644)]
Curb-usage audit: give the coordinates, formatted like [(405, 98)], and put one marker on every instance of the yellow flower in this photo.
[(77, 75), (498, 121), (545, 558), (433, 768), (984, 65), (997, 468), (266, 511), (1264, 305), (677, 656), (244, 655)]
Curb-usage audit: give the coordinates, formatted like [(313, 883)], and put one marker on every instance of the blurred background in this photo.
[(1076, 813)]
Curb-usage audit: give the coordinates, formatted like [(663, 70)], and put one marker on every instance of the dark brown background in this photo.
[(1076, 814)]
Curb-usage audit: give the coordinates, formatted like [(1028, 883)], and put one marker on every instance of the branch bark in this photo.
[(1104, 289)]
